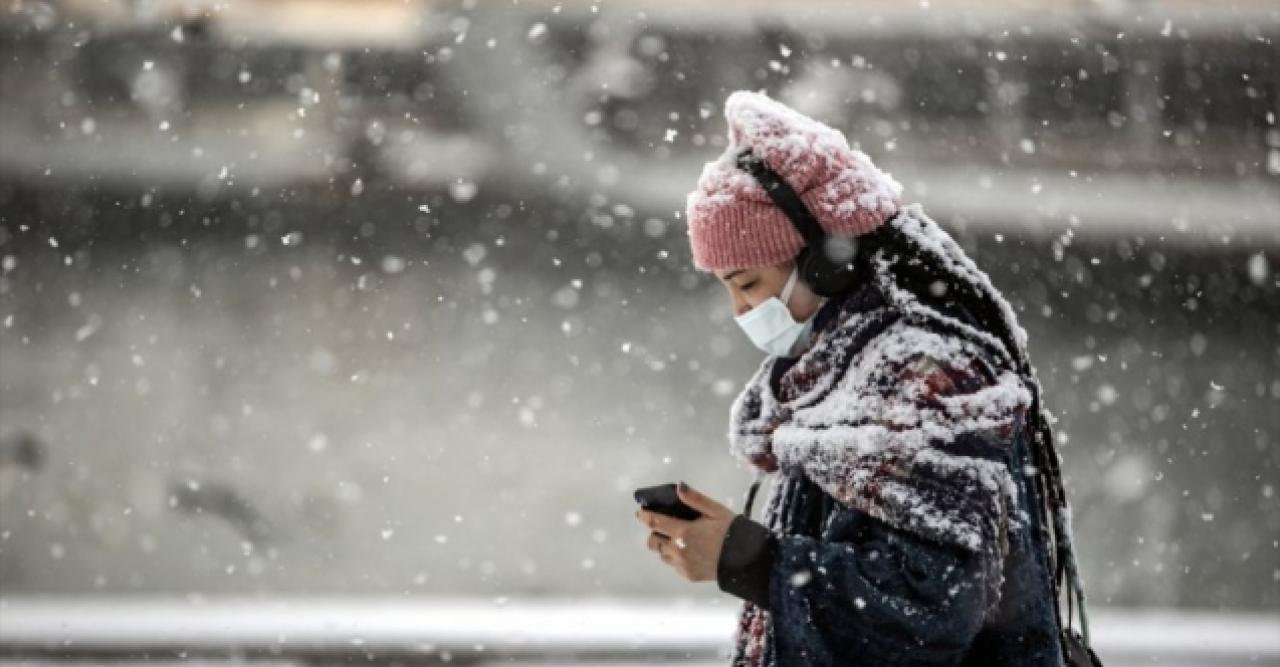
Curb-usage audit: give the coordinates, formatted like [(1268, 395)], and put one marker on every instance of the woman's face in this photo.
[(749, 287)]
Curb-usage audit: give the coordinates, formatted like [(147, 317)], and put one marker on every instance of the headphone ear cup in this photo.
[(824, 277), (811, 271)]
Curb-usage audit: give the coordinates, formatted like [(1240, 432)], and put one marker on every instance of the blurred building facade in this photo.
[(395, 297)]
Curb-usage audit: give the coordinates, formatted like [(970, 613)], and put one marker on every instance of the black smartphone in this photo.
[(662, 499)]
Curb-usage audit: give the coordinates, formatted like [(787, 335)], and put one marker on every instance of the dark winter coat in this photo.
[(900, 526)]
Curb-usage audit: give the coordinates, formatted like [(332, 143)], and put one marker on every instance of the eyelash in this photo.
[(748, 286)]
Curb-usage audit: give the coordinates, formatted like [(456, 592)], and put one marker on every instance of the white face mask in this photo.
[(770, 326)]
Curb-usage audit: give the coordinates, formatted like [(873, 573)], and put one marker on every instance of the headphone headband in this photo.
[(824, 275), (785, 198)]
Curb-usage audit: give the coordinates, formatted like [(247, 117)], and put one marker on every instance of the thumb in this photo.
[(697, 500)]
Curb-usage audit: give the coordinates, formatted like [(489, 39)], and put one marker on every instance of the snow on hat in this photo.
[(733, 224)]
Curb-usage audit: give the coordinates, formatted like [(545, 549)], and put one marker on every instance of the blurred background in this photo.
[(356, 322)]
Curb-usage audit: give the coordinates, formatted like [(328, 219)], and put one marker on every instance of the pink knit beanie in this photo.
[(733, 224)]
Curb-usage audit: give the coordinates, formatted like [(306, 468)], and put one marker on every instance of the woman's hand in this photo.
[(692, 548)]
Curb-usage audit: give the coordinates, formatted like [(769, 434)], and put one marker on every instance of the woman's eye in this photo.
[(748, 286)]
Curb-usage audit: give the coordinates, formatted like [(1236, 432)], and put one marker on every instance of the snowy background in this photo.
[(394, 298)]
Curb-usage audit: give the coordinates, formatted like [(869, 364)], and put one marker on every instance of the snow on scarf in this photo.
[(868, 414)]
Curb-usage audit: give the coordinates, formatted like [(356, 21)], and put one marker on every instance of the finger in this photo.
[(647, 518), (698, 500), (667, 525), (655, 540), (670, 555)]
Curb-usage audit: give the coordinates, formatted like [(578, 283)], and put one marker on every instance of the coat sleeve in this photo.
[(910, 559)]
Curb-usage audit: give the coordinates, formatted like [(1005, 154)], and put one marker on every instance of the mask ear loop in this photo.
[(791, 283)]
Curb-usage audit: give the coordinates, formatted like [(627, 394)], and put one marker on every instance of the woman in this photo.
[(916, 516)]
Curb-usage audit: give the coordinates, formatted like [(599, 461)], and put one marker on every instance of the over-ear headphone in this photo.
[(826, 263)]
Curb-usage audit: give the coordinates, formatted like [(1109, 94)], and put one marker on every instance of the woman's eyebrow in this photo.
[(731, 274)]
